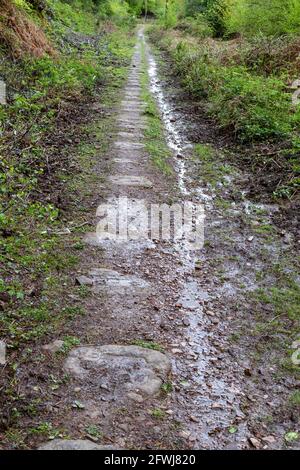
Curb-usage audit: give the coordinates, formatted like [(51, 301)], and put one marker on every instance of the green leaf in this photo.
[(291, 436), (232, 429)]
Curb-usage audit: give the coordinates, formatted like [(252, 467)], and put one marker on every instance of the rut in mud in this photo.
[(157, 369)]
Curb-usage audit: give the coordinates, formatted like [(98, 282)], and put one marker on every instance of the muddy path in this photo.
[(157, 366)]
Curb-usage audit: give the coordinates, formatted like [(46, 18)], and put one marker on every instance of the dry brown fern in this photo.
[(19, 33)]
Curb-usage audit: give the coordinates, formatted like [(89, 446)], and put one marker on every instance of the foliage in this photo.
[(254, 107), (42, 93), (271, 17), (196, 26)]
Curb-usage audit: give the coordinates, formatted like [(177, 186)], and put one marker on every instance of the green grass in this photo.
[(167, 387), (155, 141), (93, 431), (158, 413), (148, 345), (282, 326), (295, 398), (209, 164), (251, 105)]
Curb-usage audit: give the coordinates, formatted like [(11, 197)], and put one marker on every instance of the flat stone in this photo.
[(61, 444), (132, 101), (130, 135), (92, 239), (124, 160), (133, 153), (131, 126), (128, 180), (54, 347), (129, 145), (123, 369), (130, 108), (84, 281), (116, 283), (135, 397)]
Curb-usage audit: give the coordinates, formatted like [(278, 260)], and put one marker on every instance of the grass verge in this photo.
[(154, 134)]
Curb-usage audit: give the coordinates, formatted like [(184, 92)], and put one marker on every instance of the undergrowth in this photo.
[(250, 103), (40, 128)]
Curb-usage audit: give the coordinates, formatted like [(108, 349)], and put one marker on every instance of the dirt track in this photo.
[(195, 388)]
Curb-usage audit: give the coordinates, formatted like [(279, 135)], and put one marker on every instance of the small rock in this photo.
[(269, 439), (194, 419), (177, 351), (83, 281), (185, 434), (250, 239), (217, 406), (157, 429), (135, 397), (247, 372), (61, 444), (210, 313), (255, 442), (124, 427), (54, 347), (186, 322)]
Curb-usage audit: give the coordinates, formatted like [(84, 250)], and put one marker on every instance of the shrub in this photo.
[(270, 17), (255, 107), (197, 26)]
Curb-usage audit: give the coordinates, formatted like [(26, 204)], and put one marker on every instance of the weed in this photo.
[(93, 431), (167, 387), (148, 345), (158, 413), (295, 398), (69, 343)]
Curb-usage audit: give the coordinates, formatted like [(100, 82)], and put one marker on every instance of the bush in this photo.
[(197, 26), (216, 15), (255, 107), (269, 17)]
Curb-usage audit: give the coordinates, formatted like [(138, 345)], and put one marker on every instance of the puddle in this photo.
[(211, 394)]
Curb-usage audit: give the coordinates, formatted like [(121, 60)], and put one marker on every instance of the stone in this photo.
[(129, 145), (135, 397), (92, 239), (113, 282), (124, 161), (254, 442), (269, 439), (61, 444), (124, 369), (84, 281), (54, 347), (127, 180)]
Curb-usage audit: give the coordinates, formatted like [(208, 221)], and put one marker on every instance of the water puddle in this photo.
[(211, 395)]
